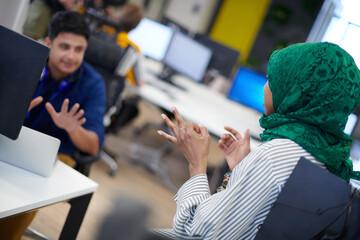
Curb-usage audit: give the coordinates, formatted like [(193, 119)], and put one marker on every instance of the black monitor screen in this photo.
[(21, 63), (153, 38), (223, 58), (248, 89), (188, 57)]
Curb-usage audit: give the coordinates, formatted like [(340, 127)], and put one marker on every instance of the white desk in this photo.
[(22, 191), (199, 103)]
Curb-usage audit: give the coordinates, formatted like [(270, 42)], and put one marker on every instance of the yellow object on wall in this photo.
[(238, 23)]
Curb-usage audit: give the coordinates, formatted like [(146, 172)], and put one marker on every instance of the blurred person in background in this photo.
[(40, 13), (128, 17)]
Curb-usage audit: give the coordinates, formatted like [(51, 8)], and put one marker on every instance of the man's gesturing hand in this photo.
[(67, 120)]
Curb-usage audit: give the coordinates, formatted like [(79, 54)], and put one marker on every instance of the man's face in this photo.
[(66, 54)]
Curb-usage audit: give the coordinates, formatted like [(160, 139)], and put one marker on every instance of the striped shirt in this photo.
[(238, 211)]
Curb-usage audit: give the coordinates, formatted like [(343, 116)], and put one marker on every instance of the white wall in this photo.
[(13, 13), (154, 10), (194, 15)]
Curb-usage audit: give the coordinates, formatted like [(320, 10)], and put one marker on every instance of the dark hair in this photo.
[(70, 22), (130, 15)]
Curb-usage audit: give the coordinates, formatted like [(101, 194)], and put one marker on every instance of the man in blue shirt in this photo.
[(69, 102), (73, 94)]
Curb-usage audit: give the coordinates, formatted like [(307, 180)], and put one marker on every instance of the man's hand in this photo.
[(67, 120), (36, 101)]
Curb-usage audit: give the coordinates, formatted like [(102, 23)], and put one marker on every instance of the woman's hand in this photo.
[(235, 149), (192, 140)]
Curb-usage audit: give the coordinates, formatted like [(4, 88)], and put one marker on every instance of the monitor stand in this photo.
[(167, 74)]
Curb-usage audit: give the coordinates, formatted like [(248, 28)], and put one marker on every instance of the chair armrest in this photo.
[(83, 161)]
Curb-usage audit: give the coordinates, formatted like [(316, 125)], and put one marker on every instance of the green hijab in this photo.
[(315, 86)]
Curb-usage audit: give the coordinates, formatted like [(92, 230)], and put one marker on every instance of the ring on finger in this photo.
[(182, 128)]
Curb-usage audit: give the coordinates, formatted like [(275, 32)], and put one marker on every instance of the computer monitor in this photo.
[(21, 63), (188, 57), (248, 89), (153, 38), (223, 58)]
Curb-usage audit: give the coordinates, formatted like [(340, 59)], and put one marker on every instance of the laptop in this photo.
[(21, 63), (32, 150)]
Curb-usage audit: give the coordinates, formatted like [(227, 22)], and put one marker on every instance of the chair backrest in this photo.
[(113, 62), (103, 52), (313, 204)]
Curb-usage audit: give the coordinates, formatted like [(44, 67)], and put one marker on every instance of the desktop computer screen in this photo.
[(223, 58), (21, 63), (188, 57), (153, 38), (248, 89)]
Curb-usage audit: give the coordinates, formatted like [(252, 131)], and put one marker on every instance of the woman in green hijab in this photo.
[(315, 86), (311, 90)]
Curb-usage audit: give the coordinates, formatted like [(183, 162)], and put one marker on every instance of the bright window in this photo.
[(344, 29)]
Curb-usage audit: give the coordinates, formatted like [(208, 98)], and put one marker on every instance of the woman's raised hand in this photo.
[(235, 149), (192, 140)]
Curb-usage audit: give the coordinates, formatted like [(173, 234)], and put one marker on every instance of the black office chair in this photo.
[(95, 19), (313, 204), (112, 62)]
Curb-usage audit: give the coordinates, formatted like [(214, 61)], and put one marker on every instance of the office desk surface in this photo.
[(199, 104), (22, 191)]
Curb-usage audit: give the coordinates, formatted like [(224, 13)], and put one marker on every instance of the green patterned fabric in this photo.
[(315, 86)]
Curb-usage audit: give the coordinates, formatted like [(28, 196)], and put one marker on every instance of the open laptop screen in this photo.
[(21, 63)]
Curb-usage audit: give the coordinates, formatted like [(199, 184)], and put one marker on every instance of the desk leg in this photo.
[(75, 217)]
